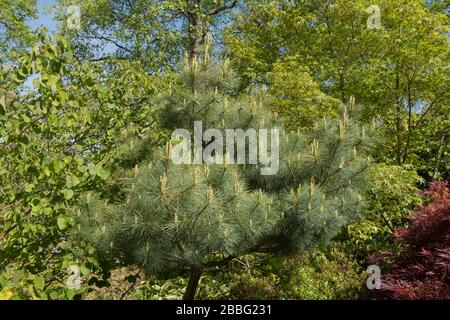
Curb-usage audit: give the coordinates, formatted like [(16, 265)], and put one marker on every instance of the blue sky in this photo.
[(44, 18)]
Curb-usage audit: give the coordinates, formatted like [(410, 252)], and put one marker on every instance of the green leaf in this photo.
[(68, 194), (72, 181), (92, 169), (85, 270), (103, 173), (23, 139), (39, 282), (29, 187), (36, 83), (62, 222), (26, 118), (70, 293)]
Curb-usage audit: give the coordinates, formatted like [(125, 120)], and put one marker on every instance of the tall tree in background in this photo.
[(399, 71), (155, 33), (14, 33)]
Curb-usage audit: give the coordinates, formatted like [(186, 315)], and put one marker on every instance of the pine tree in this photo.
[(190, 217)]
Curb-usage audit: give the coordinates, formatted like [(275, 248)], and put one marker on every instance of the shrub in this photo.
[(248, 287), (308, 276), (391, 198), (422, 269), (321, 276)]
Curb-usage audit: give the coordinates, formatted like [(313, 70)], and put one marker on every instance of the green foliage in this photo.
[(54, 146), (297, 97), (89, 142), (40, 175), (247, 286), (399, 72), (432, 143), (211, 287), (394, 194), (320, 276), (171, 289), (323, 275), (15, 35), (391, 197), (254, 41), (154, 33)]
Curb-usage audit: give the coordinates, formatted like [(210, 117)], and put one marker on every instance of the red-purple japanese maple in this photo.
[(422, 271)]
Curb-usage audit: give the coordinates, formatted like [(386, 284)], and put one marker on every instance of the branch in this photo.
[(428, 109), (219, 9), (8, 231), (107, 58), (114, 42), (132, 285), (219, 263)]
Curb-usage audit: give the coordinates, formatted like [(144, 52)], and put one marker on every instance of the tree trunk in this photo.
[(194, 278), (441, 155), (200, 23), (398, 122), (198, 29)]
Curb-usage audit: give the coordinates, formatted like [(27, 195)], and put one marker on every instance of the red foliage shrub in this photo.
[(422, 271)]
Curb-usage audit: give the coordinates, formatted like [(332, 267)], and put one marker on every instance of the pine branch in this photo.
[(220, 263)]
